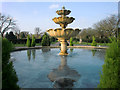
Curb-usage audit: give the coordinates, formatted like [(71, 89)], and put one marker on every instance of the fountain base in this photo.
[(61, 53)]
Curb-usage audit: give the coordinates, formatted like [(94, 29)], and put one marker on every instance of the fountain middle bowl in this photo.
[(62, 33)]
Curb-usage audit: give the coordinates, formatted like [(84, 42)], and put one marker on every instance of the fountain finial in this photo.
[(63, 8)]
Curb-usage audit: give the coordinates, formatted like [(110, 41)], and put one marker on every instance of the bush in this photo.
[(28, 41), (71, 41), (110, 77), (6, 48), (45, 40), (33, 41), (93, 42), (75, 39), (9, 77), (10, 36), (52, 39)]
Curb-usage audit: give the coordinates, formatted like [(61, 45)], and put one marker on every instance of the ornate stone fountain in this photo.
[(63, 34)]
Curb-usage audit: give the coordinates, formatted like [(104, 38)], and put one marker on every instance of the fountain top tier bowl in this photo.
[(63, 21), (63, 11)]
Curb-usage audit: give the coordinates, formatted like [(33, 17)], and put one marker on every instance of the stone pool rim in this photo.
[(40, 47)]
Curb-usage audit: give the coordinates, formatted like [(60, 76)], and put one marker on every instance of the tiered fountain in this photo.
[(63, 34)]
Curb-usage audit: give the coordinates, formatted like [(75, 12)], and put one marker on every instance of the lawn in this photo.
[(24, 45), (85, 43)]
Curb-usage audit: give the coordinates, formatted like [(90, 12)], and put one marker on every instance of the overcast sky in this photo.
[(40, 14)]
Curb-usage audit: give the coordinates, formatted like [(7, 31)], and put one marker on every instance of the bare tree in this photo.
[(37, 31), (118, 28), (6, 23), (107, 26)]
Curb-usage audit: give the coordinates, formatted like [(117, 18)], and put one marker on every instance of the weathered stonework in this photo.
[(63, 34)]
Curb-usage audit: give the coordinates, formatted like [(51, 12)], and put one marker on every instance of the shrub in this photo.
[(10, 36), (71, 41), (52, 39), (45, 40), (28, 41), (33, 41), (9, 77), (93, 42), (110, 77)]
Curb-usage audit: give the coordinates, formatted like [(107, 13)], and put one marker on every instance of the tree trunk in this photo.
[(1, 34)]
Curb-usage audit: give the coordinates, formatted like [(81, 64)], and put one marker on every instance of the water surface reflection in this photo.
[(29, 52), (44, 68), (63, 76)]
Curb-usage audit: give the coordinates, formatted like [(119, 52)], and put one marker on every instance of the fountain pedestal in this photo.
[(63, 47)]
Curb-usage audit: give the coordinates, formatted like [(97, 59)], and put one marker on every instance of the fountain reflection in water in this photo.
[(63, 76)]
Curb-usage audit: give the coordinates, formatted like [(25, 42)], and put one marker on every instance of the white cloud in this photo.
[(53, 6)]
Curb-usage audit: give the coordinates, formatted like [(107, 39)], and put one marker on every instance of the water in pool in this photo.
[(44, 68)]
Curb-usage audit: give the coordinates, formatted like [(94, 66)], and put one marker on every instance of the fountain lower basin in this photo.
[(63, 35)]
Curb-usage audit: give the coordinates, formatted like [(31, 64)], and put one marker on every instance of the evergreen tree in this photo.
[(71, 41), (94, 42), (33, 41), (28, 41), (45, 40), (110, 77)]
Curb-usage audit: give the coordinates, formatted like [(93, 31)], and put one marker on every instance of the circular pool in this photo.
[(44, 68)]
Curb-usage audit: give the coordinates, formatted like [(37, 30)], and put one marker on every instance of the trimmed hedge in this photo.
[(93, 42), (33, 41), (98, 40), (45, 40), (23, 41), (28, 43), (71, 41)]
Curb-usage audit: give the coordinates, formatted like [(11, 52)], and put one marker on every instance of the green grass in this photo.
[(85, 43), (19, 45), (54, 42), (24, 45), (38, 44)]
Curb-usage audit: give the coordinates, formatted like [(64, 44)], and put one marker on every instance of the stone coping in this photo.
[(39, 47)]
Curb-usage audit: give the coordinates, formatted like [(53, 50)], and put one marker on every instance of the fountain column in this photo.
[(63, 47)]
